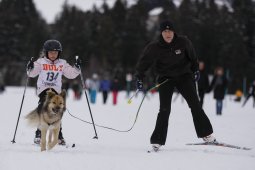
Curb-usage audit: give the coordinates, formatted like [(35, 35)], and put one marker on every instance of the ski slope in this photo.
[(126, 151)]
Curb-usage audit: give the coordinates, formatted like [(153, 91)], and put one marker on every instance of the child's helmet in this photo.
[(52, 45)]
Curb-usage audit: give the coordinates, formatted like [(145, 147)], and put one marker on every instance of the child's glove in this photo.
[(30, 64), (77, 63)]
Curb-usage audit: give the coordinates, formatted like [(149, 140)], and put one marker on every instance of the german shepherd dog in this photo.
[(49, 118)]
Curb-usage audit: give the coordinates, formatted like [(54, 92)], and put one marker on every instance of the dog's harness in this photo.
[(52, 122)]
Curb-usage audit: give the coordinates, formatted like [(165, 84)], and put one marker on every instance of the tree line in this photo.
[(110, 40)]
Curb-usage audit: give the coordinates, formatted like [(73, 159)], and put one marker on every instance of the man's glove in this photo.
[(139, 84), (77, 63), (196, 75), (30, 64)]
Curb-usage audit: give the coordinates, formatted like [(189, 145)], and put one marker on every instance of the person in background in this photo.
[(251, 93), (173, 58), (65, 85), (77, 90), (2, 86), (115, 87), (105, 87), (203, 82), (93, 85), (50, 68), (129, 79), (219, 86), (238, 95)]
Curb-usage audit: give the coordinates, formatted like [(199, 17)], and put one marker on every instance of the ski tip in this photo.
[(244, 148), (221, 144), (70, 145), (152, 151)]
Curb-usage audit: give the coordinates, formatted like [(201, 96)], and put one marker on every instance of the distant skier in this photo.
[(50, 69), (115, 87), (173, 58), (93, 85), (77, 90), (251, 94), (203, 82), (128, 83), (105, 87), (2, 86), (219, 86), (238, 95)]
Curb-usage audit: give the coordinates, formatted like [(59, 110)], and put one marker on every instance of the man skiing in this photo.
[(173, 58)]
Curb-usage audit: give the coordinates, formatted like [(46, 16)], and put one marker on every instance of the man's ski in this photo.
[(220, 144), (154, 149)]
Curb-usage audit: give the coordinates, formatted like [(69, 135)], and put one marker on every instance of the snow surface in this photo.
[(126, 151)]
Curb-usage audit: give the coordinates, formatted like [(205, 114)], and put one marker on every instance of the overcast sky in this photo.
[(50, 8)]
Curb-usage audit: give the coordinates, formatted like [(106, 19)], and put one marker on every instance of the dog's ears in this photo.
[(50, 93), (63, 93)]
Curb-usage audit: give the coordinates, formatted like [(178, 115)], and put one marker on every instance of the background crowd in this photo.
[(109, 40)]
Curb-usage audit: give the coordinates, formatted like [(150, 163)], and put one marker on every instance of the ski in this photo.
[(69, 146), (65, 146), (154, 149), (221, 144)]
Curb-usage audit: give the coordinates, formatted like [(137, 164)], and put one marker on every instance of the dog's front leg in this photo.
[(43, 139), (50, 136), (55, 133)]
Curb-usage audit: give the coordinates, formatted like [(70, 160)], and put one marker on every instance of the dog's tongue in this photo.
[(55, 110)]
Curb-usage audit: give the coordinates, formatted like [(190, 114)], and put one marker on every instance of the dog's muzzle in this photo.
[(56, 110)]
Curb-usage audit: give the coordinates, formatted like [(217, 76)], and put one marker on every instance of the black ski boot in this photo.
[(37, 139), (61, 140)]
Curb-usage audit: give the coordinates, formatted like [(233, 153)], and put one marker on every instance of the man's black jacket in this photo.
[(168, 59)]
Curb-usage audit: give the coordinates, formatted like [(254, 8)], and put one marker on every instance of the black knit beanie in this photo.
[(166, 25)]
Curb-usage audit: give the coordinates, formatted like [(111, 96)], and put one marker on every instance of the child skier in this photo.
[(50, 68)]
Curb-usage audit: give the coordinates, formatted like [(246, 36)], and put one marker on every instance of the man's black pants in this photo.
[(186, 86)]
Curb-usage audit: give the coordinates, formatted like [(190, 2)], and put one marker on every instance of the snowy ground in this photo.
[(126, 151)]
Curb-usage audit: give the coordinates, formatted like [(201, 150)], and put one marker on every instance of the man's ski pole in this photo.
[(84, 87), (13, 140), (130, 99), (197, 90)]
